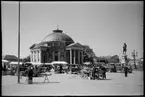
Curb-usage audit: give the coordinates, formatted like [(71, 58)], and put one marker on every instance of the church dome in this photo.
[(57, 35)]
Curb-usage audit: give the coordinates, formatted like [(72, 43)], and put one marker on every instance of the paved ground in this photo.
[(67, 84)]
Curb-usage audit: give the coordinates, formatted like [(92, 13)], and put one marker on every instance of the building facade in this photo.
[(57, 46)]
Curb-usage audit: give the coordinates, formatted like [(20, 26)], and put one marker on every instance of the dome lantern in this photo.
[(57, 31)]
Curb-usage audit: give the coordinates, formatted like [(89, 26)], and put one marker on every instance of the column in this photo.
[(70, 56), (33, 56), (58, 55), (74, 57), (78, 57), (64, 56), (40, 56), (36, 55), (53, 56), (82, 56), (47, 57)]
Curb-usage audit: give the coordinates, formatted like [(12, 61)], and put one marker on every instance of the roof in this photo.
[(57, 35), (40, 45), (78, 45), (10, 57), (33, 45)]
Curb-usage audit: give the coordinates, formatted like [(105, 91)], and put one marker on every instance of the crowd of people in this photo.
[(96, 70)]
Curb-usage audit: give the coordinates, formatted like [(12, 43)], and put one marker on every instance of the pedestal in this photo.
[(124, 59)]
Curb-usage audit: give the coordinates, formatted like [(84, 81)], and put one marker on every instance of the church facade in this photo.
[(57, 46)]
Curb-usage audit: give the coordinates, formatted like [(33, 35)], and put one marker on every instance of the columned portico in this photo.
[(76, 55)]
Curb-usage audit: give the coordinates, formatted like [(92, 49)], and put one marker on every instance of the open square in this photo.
[(70, 84)]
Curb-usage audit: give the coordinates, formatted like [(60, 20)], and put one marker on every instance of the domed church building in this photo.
[(57, 46)]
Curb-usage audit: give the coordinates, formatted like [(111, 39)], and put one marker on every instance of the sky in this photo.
[(104, 26)]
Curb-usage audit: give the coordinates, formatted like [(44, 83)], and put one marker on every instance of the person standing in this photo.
[(104, 72), (60, 69), (30, 75), (125, 70), (4, 69), (93, 73)]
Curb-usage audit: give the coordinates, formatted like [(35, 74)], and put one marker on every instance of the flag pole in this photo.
[(18, 43)]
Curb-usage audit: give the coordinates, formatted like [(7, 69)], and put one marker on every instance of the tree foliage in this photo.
[(27, 59)]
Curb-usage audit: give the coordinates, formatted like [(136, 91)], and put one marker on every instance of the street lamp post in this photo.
[(18, 70), (134, 55)]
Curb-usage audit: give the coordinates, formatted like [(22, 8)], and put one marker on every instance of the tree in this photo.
[(27, 59)]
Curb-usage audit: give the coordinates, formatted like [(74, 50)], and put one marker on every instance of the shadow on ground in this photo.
[(44, 82), (34, 83), (104, 79)]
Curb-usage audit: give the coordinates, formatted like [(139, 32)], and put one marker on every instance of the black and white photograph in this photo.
[(72, 48)]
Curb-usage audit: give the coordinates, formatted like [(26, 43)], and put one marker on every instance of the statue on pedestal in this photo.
[(124, 57), (124, 48)]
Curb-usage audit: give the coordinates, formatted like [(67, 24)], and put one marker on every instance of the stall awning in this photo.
[(16, 63), (87, 63), (5, 61), (59, 62)]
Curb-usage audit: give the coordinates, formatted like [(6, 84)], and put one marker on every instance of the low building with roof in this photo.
[(10, 58)]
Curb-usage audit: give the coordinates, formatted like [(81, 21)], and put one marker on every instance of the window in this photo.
[(58, 44), (52, 44), (61, 44), (48, 44)]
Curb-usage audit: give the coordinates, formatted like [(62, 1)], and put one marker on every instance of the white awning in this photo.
[(35, 63), (87, 63), (5, 61), (16, 63), (59, 62)]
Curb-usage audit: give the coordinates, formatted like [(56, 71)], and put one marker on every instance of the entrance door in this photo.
[(56, 56)]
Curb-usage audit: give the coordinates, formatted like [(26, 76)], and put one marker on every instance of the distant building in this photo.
[(57, 46)]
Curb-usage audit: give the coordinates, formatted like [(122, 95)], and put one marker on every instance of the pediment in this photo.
[(78, 45)]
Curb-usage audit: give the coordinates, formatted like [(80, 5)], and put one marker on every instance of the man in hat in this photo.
[(30, 74), (125, 70)]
